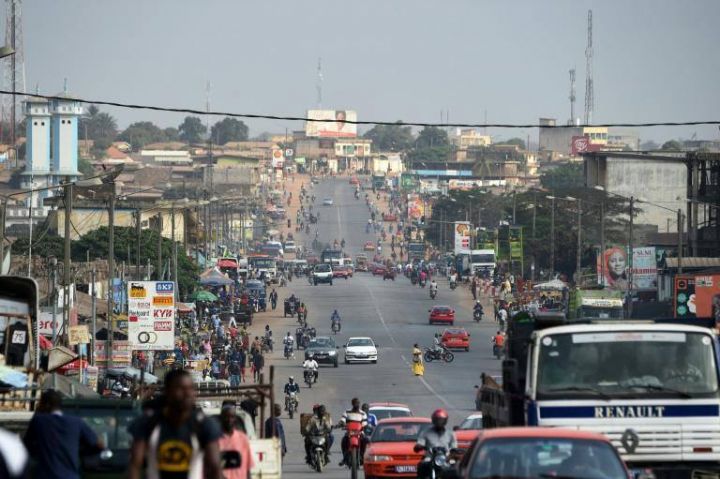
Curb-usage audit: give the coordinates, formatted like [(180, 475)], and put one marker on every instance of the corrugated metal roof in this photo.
[(693, 262)]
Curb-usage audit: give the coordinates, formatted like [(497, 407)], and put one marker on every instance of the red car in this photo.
[(541, 452), (468, 430), (378, 269), (354, 181), (369, 246), (390, 452), (389, 217), (442, 314), (340, 272), (456, 338)]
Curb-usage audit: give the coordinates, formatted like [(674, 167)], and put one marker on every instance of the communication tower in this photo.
[(589, 92), (15, 74), (572, 97)]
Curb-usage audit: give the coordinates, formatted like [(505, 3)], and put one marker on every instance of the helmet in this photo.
[(267, 326), (439, 418), (291, 379)]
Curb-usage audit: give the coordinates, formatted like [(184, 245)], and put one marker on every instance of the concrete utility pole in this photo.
[(552, 234), (602, 242), (138, 233), (175, 252), (111, 273), (93, 315), (680, 239), (67, 252), (3, 207), (578, 273), (159, 274), (630, 257)]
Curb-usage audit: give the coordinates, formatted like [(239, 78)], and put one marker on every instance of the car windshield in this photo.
[(360, 342), (387, 413), (322, 268), (322, 343), (482, 258), (538, 457), (471, 423), (262, 262), (398, 431), (627, 363)]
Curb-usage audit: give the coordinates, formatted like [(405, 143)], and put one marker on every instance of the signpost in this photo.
[(151, 315)]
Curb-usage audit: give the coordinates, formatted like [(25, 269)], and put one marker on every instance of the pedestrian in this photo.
[(55, 440), (473, 288), (175, 439), (234, 445), (418, 368), (234, 372), (274, 428), (258, 365)]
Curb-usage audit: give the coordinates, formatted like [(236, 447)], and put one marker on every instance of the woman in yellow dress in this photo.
[(418, 367)]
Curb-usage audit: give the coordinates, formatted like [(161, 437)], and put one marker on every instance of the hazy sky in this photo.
[(388, 59)]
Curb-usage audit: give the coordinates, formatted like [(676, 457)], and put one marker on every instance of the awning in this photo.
[(697, 263), (553, 285), (215, 278), (185, 307)]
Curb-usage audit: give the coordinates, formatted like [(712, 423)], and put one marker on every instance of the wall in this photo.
[(90, 219)]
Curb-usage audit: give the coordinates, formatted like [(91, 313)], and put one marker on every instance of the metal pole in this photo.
[(578, 258), (680, 239), (138, 232), (111, 274), (93, 315), (66, 252), (160, 271), (53, 270), (175, 252), (630, 257), (3, 207), (32, 185), (602, 242), (552, 238), (514, 207), (197, 236)]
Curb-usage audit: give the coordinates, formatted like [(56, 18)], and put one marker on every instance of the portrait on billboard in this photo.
[(334, 125), (615, 268)]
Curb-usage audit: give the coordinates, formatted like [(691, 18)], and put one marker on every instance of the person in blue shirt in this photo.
[(56, 441), (274, 428), (371, 418)]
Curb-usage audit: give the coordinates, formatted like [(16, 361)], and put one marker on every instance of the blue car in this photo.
[(258, 295)]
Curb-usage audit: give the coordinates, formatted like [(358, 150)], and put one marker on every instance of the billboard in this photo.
[(614, 272), (684, 305), (415, 207), (462, 236), (644, 269), (707, 296), (278, 160), (581, 144), (151, 315), (334, 124)]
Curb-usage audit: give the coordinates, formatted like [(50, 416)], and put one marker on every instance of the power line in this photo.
[(358, 122)]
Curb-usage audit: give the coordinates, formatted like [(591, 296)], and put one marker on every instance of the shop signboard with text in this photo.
[(462, 236), (151, 315)]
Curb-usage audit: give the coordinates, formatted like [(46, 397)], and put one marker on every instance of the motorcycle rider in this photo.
[(289, 343), (498, 341), (437, 345), (478, 307), (436, 436), (355, 414), (311, 365), (273, 298), (434, 286), (291, 387), (342, 243), (423, 277), (319, 425), (372, 418), (268, 337), (334, 318)]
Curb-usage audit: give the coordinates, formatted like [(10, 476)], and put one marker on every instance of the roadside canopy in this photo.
[(214, 277), (552, 285), (203, 296)]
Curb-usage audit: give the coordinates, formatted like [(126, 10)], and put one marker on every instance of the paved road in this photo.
[(394, 314)]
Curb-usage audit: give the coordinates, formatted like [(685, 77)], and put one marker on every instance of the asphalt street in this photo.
[(395, 315)]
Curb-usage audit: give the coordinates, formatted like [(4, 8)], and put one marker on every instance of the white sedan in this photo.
[(328, 202), (359, 350)]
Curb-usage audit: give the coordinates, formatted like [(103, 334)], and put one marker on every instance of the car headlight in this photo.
[(332, 353), (374, 458)]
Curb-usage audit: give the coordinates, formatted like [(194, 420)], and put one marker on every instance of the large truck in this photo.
[(332, 256), (262, 263), (483, 260), (416, 250), (596, 304), (650, 386)]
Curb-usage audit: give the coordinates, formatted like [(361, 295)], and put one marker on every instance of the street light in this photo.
[(552, 233)]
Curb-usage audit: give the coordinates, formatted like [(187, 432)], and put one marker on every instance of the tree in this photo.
[(432, 136), (515, 141), (390, 137), (435, 154), (85, 167), (192, 130), (97, 125), (171, 134), (141, 133), (563, 176), (649, 145), (229, 129), (672, 145)]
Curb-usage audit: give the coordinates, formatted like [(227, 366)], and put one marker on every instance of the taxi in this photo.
[(340, 272), (379, 269), (390, 452), (369, 246), (442, 314), (456, 338)]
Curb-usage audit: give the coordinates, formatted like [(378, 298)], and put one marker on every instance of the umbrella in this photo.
[(203, 295), (73, 366)]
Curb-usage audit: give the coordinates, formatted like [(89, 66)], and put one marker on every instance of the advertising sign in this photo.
[(462, 236), (516, 242), (644, 269), (581, 144), (408, 182), (278, 160), (121, 353), (487, 239), (684, 305), (707, 296), (45, 321), (151, 315), (615, 268), (334, 126), (78, 335), (415, 207)]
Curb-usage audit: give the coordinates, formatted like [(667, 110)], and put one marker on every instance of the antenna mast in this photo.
[(589, 92), (15, 75), (319, 83), (572, 97)]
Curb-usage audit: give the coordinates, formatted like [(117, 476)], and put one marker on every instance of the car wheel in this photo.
[(375, 362), (467, 350), (335, 364)]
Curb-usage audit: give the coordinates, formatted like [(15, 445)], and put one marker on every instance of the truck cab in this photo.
[(482, 260)]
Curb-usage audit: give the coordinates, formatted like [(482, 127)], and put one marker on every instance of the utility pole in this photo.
[(680, 239), (175, 252), (159, 274), (552, 237), (54, 296), (578, 274), (111, 273), (602, 242), (66, 251), (138, 232), (514, 208), (630, 257), (93, 315), (3, 207)]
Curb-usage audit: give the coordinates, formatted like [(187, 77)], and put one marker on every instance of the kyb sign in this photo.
[(151, 315)]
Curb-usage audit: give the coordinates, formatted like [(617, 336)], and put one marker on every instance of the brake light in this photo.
[(702, 449)]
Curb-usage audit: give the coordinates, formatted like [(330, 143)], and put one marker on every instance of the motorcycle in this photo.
[(309, 377), (423, 282), (291, 404), (318, 457), (442, 355), (288, 352), (354, 432), (266, 345), (497, 351), (441, 465), (453, 285), (477, 315), (335, 327), (433, 293)]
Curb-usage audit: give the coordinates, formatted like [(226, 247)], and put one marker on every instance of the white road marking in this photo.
[(405, 359)]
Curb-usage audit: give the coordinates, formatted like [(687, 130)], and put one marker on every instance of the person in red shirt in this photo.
[(235, 455), (499, 339)]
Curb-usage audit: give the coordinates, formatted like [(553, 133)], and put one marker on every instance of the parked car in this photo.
[(442, 314), (456, 338), (541, 452)]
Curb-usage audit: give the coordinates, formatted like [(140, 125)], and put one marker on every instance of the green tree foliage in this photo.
[(142, 133), (85, 167), (514, 141), (97, 125), (229, 129), (192, 130), (672, 145), (390, 137), (435, 154), (564, 176), (171, 134), (432, 136)]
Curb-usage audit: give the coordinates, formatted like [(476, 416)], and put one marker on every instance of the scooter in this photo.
[(309, 377), (291, 404), (477, 315), (335, 327), (453, 285), (442, 355), (318, 457), (497, 351), (288, 352), (433, 293)]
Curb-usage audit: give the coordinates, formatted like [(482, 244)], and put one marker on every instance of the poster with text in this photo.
[(684, 305), (612, 269), (334, 124), (462, 236), (644, 269), (707, 296), (151, 315)]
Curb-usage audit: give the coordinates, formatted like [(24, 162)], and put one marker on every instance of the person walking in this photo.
[(234, 445), (258, 365), (54, 440), (418, 368), (274, 428)]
